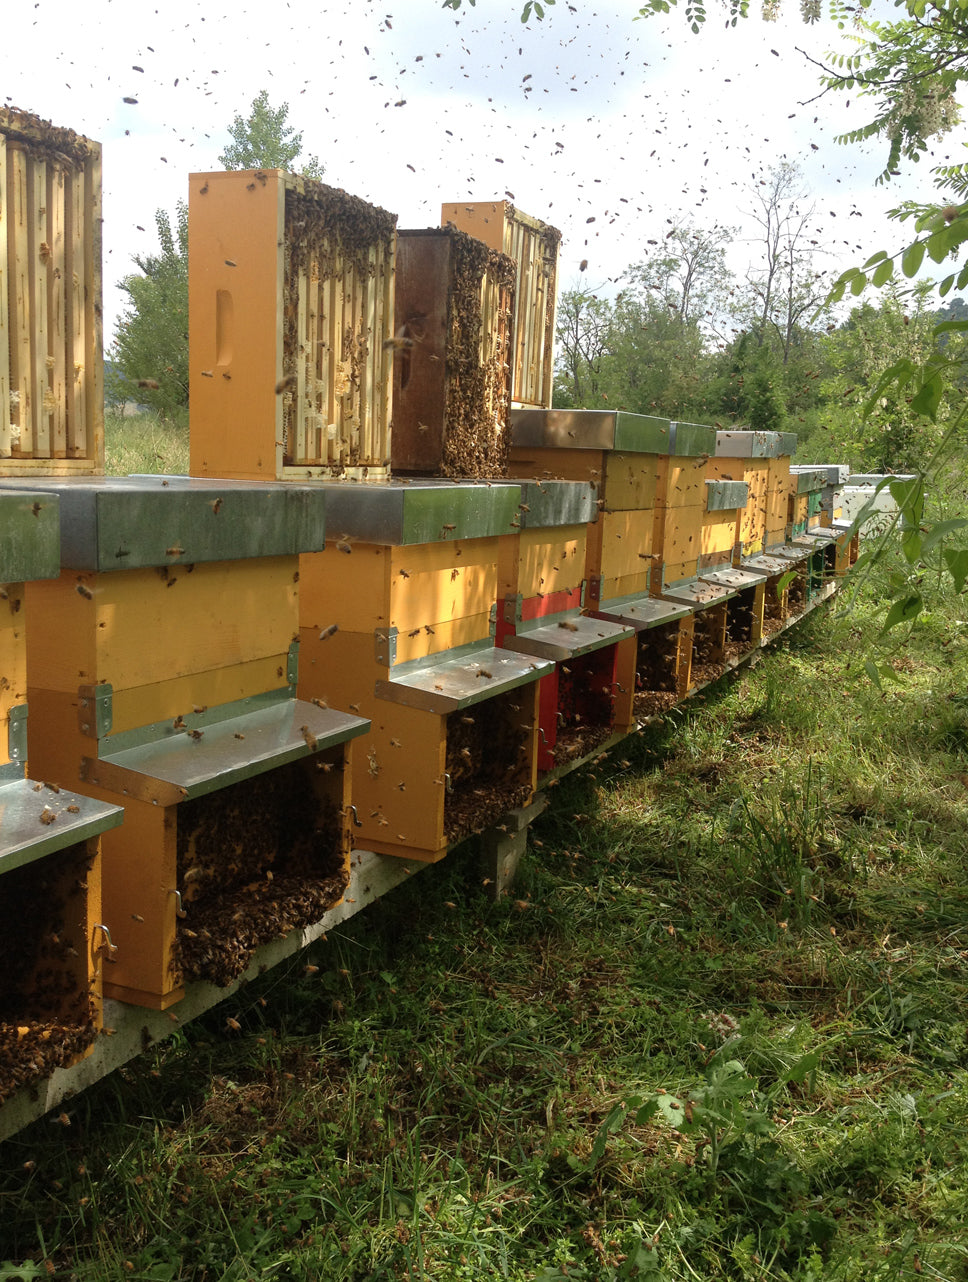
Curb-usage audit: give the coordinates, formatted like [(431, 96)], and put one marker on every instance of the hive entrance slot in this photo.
[(585, 703), (797, 593), (256, 860), (709, 645), (657, 669), (741, 623), (487, 762), (47, 1016), (775, 607)]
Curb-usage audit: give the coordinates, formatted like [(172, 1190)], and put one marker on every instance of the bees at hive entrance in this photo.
[(658, 668), (487, 771), (47, 1013), (584, 711), (255, 860)]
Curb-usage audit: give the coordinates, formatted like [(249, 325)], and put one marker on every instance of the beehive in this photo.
[(410, 575), (454, 302), (680, 505), (50, 903), (726, 503), (177, 695), (541, 579), (51, 391), (290, 328), (757, 459), (622, 456), (832, 495), (534, 246), (806, 499)]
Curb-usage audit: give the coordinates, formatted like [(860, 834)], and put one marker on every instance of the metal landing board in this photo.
[(734, 578), (699, 594), (181, 766), (568, 638), (24, 837), (642, 612), (794, 555), (819, 534), (447, 684), (770, 563)]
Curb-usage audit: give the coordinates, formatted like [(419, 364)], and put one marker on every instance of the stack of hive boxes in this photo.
[(541, 582), (396, 616), (50, 867), (622, 456), (181, 601)]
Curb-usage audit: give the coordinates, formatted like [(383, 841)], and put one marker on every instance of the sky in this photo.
[(610, 128)]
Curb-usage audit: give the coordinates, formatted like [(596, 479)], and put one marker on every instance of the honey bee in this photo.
[(47, 816), (216, 506), (343, 545), (568, 626), (207, 373), (199, 708), (238, 735), (230, 263), (311, 740), (404, 574), (285, 384), (320, 703), (328, 632), (233, 1024), (73, 810), (83, 590), (151, 384), (179, 723), (174, 550), (195, 734), (483, 672)]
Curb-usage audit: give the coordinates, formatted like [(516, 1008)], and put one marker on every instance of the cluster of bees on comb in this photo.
[(485, 764), (478, 360), (45, 971), (255, 861)]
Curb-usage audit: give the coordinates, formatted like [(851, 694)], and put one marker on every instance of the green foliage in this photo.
[(263, 140), (150, 349)]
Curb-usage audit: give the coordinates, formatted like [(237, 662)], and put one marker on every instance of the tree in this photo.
[(585, 332), (151, 340), (786, 288), (687, 274), (265, 141)]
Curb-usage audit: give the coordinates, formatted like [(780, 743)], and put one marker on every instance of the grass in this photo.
[(716, 1031), (143, 443)]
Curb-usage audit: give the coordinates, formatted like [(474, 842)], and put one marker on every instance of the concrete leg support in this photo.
[(503, 846)]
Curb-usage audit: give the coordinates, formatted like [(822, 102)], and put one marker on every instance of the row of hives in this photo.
[(222, 695), (253, 697)]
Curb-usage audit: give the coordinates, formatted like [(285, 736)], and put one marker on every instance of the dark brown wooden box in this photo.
[(452, 353)]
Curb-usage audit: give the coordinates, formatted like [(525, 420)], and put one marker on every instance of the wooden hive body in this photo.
[(290, 322), (51, 375), (534, 246), (452, 375)]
